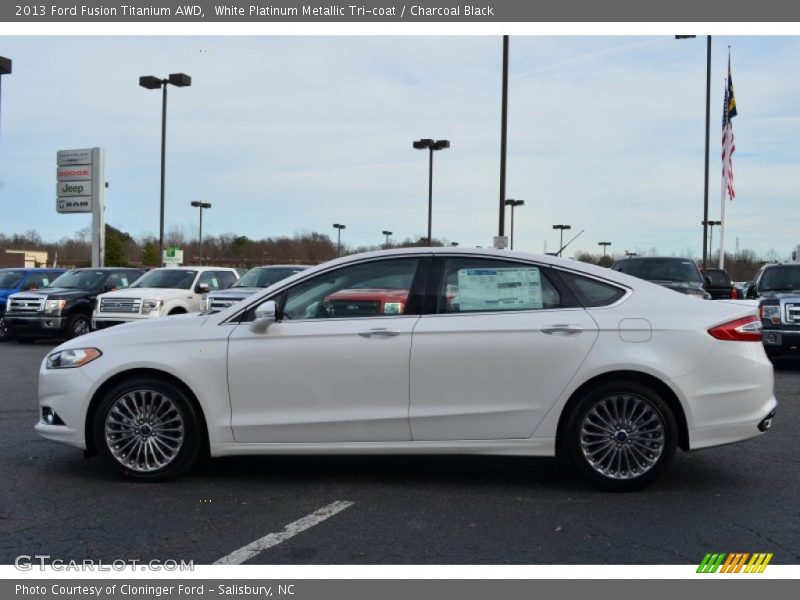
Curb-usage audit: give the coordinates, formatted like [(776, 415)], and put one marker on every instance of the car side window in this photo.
[(591, 292), (374, 289), (210, 278), (484, 285)]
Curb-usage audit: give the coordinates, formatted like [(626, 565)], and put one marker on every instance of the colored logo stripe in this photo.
[(734, 562)]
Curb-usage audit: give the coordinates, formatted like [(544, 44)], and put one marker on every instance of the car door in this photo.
[(504, 340), (335, 365)]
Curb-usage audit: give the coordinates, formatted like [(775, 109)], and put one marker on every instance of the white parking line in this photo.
[(237, 557)]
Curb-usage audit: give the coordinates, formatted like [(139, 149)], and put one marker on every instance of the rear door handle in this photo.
[(379, 332), (562, 329)]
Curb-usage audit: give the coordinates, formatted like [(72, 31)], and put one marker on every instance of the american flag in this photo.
[(728, 145)]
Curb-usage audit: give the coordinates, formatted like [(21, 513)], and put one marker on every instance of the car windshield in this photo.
[(262, 277), (781, 279), (77, 280), (10, 279), (660, 269), (178, 279)]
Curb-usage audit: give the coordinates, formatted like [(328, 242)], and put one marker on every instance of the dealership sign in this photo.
[(80, 188), (75, 173)]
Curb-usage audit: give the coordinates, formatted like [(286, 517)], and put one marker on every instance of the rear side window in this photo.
[(38, 280), (718, 278), (592, 292), (486, 285)]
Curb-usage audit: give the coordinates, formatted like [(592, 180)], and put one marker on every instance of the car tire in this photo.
[(77, 325), (148, 429), (620, 436), (5, 334)]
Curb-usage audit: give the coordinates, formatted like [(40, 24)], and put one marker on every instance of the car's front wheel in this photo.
[(620, 436), (78, 324), (3, 330), (148, 429)]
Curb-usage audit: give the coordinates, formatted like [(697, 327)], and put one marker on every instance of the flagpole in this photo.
[(722, 215)]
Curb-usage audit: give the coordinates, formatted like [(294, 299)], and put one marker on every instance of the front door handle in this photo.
[(562, 329), (379, 332)]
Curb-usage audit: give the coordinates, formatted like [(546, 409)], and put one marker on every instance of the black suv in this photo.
[(777, 288), (678, 274), (63, 309)]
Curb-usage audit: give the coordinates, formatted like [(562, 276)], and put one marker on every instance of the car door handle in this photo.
[(379, 332), (562, 329)]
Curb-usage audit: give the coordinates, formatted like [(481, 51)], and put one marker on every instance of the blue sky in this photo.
[(291, 134)]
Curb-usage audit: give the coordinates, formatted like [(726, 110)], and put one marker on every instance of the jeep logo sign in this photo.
[(74, 188)]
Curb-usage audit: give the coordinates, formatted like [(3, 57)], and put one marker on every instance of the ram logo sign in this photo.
[(736, 562)]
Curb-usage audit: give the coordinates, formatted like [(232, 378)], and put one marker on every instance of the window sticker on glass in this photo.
[(498, 289)]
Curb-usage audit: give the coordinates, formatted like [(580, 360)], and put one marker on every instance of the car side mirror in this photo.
[(202, 288), (751, 292), (109, 287), (265, 315)]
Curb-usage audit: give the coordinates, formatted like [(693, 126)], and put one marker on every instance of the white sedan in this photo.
[(424, 350)]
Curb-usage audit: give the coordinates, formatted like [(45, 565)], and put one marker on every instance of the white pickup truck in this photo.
[(161, 292)]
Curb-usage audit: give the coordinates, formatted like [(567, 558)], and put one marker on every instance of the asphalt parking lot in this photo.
[(405, 510)]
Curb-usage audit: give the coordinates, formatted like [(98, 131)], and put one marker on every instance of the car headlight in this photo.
[(70, 359), (771, 313), (149, 306), (53, 307)]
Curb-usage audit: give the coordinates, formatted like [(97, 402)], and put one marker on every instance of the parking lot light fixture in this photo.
[(339, 227), (432, 146), (151, 82), (604, 245), (513, 204), (387, 233), (201, 206), (561, 228), (708, 134), (710, 225), (5, 69)]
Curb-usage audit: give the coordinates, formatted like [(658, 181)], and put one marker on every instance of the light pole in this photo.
[(454, 244), (604, 245), (153, 83), (387, 233), (561, 228), (708, 130), (710, 225), (5, 69), (201, 206), (339, 228), (432, 146), (629, 254), (513, 204)]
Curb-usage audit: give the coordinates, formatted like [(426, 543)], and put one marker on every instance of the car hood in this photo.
[(62, 293), (174, 328), (149, 293), (781, 294), (679, 286), (240, 291)]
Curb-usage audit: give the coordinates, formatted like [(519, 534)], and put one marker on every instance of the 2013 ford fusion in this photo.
[(482, 352)]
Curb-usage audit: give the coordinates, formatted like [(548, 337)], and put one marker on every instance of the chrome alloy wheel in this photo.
[(622, 436), (144, 430)]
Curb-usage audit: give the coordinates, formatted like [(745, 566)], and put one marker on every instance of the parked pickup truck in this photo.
[(17, 280), (251, 282), (777, 289), (161, 292), (718, 285), (63, 309)]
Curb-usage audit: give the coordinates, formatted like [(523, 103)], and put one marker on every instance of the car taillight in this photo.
[(734, 295), (746, 329)]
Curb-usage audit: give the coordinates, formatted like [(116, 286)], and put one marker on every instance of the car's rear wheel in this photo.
[(3, 330), (78, 324), (148, 429), (620, 436)]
